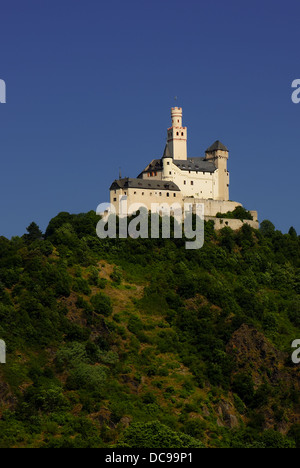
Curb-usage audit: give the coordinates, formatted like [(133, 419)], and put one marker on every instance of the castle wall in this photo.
[(191, 183), (157, 175), (234, 224), (143, 197), (212, 207)]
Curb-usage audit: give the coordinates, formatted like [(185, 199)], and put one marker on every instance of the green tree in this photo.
[(34, 233), (156, 435), (267, 228)]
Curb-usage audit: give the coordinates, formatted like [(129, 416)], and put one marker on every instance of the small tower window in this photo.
[(192, 182), (168, 163), (168, 194)]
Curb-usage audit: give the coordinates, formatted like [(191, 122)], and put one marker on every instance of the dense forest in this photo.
[(142, 343)]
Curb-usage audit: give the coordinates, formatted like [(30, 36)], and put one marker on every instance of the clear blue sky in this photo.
[(90, 85)]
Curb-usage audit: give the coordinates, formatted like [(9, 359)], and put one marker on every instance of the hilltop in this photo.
[(139, 343)]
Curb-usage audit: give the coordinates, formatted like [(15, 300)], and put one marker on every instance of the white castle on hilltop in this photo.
[(175, 177)]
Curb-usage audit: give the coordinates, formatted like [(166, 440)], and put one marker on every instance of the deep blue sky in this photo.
[(90, 85)]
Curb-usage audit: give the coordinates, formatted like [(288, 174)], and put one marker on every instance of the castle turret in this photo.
[(167, 163), (177, 135), (218, 154)]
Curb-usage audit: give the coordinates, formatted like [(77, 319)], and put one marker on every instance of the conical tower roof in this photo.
[(167, 153), (217, 145)]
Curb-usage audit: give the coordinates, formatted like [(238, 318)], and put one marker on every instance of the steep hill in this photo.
[(138, 343)]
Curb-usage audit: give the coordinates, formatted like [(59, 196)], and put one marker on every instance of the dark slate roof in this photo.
[(195, 164), (155, 165), (144, 184), (216, 146)]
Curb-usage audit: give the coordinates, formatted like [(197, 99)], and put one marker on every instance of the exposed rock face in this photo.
[(252, 351), (226, 415), (255, 355), (7, 399)]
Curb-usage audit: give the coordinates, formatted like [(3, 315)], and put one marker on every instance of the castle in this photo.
[(177, 178)]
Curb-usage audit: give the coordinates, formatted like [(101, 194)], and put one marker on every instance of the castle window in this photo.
[(156, 173), (160, 194), (115, 199), (192, 182), (168, 194), (168, 163), (170, 173), (143, 193), (184, 182), (134, 193), (177, 133), (174, 194), (148, 174)]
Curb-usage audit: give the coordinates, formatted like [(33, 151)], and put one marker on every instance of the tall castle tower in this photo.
[(177, 135), (218, 154)]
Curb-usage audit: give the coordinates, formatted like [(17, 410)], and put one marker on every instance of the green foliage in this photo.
[(85, 376), (34, 233), (101, 304), (156, 435), (78, 374), (267, 228), (238, 213)]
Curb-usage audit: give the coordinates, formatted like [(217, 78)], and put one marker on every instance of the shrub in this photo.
[(156, 435), (101, 304), (88, 377)]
